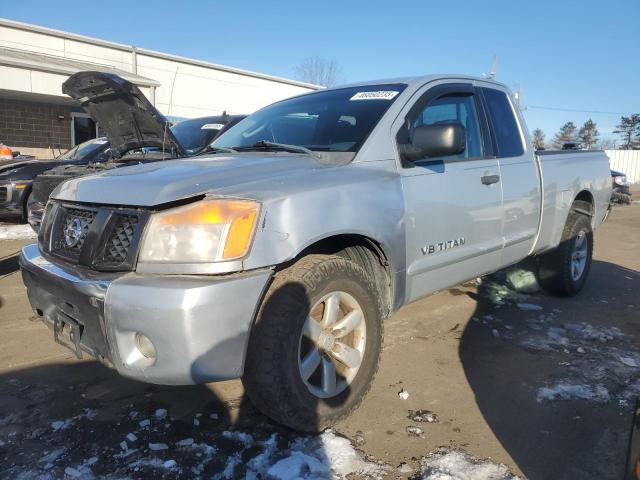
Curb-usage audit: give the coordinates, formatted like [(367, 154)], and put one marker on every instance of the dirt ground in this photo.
[(543, 385)]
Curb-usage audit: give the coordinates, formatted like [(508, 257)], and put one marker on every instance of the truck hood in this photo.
[(158, 183), (123, 112)]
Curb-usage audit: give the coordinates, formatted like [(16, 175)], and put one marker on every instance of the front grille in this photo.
[(100, 238), (3, 194), (71, 231), (119, 243)]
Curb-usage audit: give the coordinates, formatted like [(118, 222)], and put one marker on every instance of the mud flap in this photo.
[(67, 332), (633, 455)]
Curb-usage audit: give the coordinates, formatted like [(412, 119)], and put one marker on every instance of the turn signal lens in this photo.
[(202, 232)]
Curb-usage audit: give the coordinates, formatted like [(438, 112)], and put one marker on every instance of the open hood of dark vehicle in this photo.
[(123, 112)]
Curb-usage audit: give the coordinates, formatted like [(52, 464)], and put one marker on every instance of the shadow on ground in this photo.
[(547, 381)]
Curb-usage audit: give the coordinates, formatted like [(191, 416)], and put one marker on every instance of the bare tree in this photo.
[(607, 144), (589, 134), (538, 139), (319, 71), (566, 134)]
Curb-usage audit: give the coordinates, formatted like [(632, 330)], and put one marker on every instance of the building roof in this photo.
[(66, 66), (119, 46)]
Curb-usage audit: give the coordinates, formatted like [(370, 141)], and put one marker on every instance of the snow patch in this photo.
[(458, 465), (566, 391), (529, 306), (16, 232)]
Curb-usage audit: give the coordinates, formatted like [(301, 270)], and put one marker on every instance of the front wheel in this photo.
[(564, 270), (316, 344)]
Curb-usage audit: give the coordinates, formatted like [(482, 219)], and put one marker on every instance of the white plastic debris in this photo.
[(580, 350), (403, 394), (158, 446), (213, 416)]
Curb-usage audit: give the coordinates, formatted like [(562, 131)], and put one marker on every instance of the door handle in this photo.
[(489, 179)]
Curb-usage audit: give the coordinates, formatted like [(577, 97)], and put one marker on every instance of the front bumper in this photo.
[(199, 325)]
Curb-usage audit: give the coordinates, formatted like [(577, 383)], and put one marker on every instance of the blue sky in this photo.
[(564, 55)]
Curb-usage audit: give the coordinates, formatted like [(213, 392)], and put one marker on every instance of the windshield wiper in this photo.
[(283, 146), (209, 149)]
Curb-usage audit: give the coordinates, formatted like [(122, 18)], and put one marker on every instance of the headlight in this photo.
[(620, 180), (201, 232)]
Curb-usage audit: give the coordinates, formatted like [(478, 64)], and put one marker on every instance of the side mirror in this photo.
[(429, 141)]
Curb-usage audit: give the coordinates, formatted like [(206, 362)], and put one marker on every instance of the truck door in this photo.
[(454, 203), (519, 175)]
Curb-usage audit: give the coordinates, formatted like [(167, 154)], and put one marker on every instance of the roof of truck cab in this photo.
[(417, 80)]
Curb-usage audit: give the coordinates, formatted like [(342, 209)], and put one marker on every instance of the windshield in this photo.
[(85, 149), (333, 120), (194, 135)]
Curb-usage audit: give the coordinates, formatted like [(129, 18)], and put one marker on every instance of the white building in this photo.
[(36, 118)]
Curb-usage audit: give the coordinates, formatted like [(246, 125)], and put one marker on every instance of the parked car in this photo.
[(144, 140), (16, 178), (277, 258), (621, 192)]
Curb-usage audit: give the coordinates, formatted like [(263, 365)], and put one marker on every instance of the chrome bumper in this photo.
[(199, 325)]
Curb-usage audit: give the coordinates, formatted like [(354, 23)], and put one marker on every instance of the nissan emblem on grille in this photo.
[(73, 233)]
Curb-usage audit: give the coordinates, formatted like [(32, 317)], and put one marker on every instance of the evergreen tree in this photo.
[(629, 130), (567, 133), (538, 139), (589, 134)]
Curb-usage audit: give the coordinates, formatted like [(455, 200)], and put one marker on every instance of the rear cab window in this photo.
[(503, 122)]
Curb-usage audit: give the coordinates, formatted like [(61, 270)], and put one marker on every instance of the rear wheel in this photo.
[(315, 347), (564, 270)]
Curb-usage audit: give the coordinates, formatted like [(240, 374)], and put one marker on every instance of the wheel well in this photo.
[(364, 251), (583, 203)]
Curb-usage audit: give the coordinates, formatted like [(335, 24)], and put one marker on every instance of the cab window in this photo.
[(503, 122), (454, 108)]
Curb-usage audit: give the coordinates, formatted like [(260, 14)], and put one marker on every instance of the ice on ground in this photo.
[(566, 391), (529, 306), (161, 413), (244, 438), (144, 423), (158, 446), (16, 232), (131, 437), (187, 442), (458, 465), (52, 456)]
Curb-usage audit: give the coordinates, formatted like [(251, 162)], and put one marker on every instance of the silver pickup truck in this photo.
[(277, 258)]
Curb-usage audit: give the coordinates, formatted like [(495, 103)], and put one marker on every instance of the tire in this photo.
[(273, 374), (25, 207), (557, 272)]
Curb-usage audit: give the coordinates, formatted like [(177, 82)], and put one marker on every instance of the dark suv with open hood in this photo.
[(137, 132)]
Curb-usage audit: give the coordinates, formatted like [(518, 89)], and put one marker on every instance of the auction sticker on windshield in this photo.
[(212, 126), (380, 95)]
